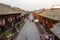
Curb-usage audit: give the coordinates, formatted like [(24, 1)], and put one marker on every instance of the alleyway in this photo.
[(29, 31)]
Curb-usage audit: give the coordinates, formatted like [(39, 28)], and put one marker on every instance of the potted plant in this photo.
[(13, 30)]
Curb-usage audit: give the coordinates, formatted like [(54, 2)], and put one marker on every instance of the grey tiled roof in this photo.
[(6, 9), (56, 30), (52, 14)]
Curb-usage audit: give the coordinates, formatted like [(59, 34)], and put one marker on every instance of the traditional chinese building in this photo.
[(48, 18), (8, 17)]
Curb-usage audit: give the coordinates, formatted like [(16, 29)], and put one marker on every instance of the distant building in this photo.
[(39, 11)]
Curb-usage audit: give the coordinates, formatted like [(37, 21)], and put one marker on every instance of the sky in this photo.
[(31, 4)]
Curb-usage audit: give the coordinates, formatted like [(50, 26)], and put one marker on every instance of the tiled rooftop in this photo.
[(52, 14), (56, 30), (6, 9)]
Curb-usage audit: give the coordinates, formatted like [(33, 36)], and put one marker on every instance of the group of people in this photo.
[(25, 17), (46, 37)]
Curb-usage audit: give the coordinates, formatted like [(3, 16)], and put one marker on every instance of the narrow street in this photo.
[(29, 20), (29, 31)]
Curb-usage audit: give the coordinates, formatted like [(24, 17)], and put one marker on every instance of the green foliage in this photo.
[(4, 34), (13, 30), (18, 26)]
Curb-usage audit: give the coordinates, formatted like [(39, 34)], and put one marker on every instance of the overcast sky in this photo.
[(31, 4)]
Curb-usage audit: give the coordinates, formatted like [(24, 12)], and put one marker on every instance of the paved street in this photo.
[(29, 31)]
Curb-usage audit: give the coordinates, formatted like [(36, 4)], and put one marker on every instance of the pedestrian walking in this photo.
[(26, 38)]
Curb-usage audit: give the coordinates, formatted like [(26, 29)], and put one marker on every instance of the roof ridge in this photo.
[(5, 4)]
